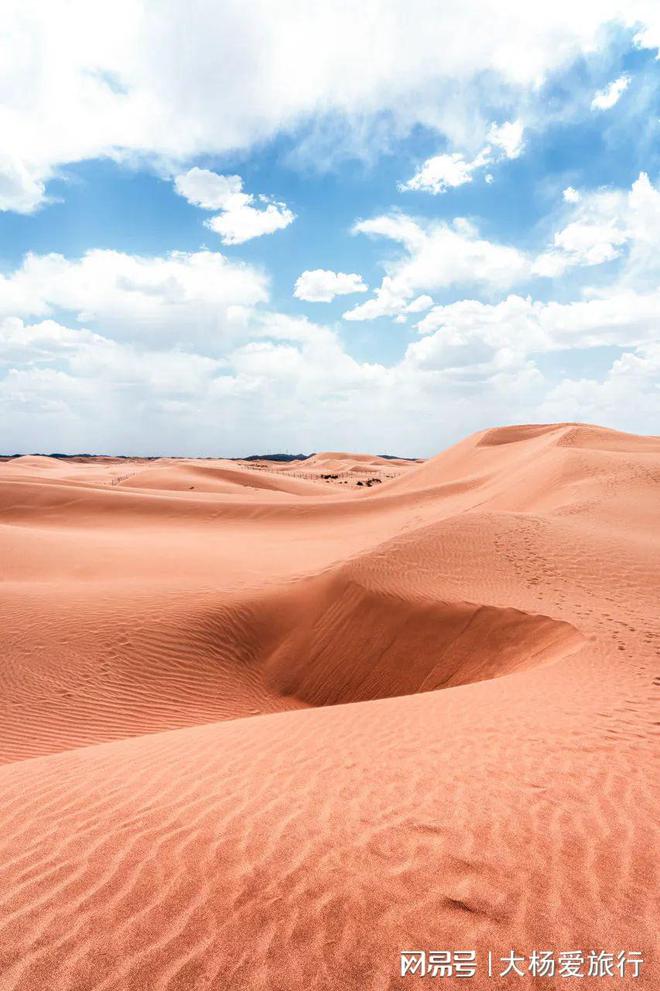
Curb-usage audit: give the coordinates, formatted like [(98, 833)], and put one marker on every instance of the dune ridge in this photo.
[(263, 730)]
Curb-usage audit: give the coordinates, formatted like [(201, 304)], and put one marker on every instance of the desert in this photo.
[(267, 728), (329, 495)]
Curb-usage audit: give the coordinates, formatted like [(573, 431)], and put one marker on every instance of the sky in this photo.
[(231, 228)]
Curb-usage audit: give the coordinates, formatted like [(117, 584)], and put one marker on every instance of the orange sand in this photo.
[(449, 680)]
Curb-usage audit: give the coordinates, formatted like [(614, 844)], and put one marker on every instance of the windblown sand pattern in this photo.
[(263, 727)]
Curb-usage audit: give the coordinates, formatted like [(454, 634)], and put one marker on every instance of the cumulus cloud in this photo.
[(436, 256), (480, 349), (239, 219), (44, 340), (85, 80), (181, 296), (607, 224), (508, 137), (525, 325), (571, 195), (66, 388), (211, 191), (321, 286), (20, 191), (70, 389), (91, 356), (297, 387), (581, 243), (605, 99), (442, 172), (607, 400), (291, 382)]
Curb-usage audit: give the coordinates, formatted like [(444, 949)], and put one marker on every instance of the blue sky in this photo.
[(171, 242)]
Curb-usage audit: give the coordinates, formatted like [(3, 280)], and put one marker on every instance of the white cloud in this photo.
[(71, 389), (440, 173), (211, 191), (607, 224), (484, 350), (608, 400), (91, 356), (527, 326), (45, 340), (590, 244), (244, 222), (443, 172), (200, 296), (649, 36), (419, 304), (581, 243), (436, 256), (606, 98), (239, 220), (19, 190), (641, 222), (321, 286), (508, 137), (84, 80), (571, 195), (550, 264), (298, 387), (294, 385)]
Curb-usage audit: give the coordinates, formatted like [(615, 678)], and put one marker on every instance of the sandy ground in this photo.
[(264, 728)]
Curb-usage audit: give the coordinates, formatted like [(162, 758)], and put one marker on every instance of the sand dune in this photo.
[(263, 730), (223, 477)]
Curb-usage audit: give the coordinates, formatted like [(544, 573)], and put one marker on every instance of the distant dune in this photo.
[(267, 724)]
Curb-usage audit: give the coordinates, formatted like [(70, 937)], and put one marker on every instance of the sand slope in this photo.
[(260, 730)]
